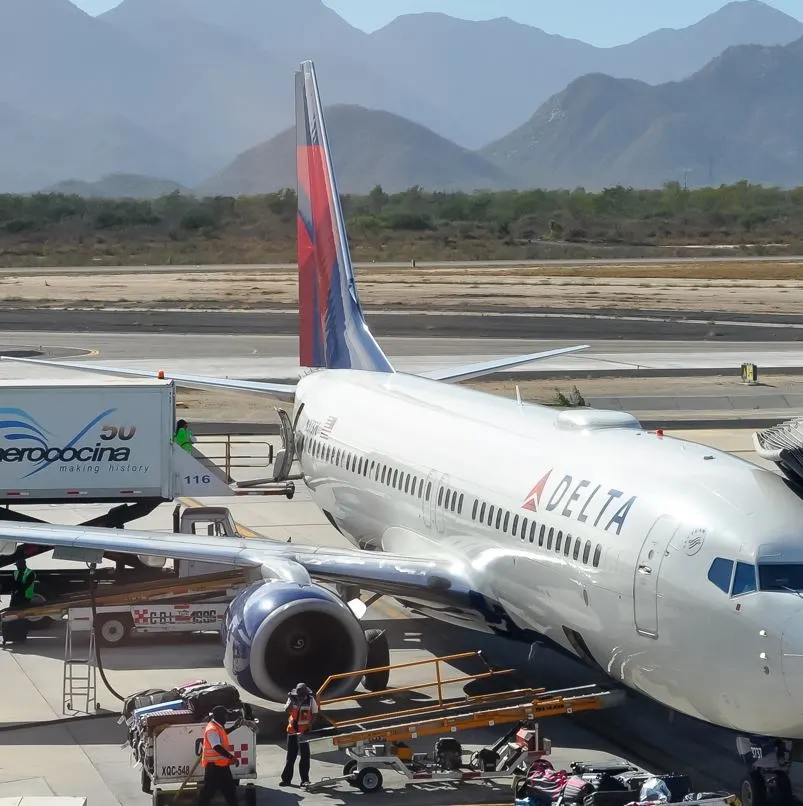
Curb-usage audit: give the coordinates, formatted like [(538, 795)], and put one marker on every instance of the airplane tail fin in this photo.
[(332, 330)]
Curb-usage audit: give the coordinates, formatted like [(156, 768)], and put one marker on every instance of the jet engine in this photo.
[(277, 634)]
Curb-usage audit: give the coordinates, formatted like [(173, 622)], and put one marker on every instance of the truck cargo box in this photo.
[(86, 440)]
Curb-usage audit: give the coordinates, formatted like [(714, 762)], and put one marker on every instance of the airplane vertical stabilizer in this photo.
[(332, 331)]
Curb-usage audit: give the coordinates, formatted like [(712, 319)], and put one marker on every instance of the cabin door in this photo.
[(647, 572)]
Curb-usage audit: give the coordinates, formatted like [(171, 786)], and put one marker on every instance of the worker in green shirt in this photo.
[(183, 436), (21, 597)]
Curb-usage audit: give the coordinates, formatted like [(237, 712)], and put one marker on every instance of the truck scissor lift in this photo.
[(379, 741)]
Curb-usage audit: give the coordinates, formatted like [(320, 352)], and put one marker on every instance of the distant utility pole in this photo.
[(711, 170), (686, 178)]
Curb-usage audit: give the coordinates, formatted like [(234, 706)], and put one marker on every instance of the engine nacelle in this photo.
[(277, 634)]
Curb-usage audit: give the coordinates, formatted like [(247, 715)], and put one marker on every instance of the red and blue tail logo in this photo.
[(332, 331)]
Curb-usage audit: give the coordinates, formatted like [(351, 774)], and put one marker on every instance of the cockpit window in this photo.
[(720, 573), (780, 576), (744, 580)]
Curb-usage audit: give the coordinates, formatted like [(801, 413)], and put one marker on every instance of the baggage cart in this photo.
[(172, 755)]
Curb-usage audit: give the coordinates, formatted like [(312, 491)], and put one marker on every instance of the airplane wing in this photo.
[(436, 581), (469, 371), (279, 391)]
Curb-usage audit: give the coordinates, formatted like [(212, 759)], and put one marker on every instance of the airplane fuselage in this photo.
[(634, 552)]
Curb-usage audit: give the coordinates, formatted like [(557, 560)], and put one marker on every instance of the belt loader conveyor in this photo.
[(376, 745)]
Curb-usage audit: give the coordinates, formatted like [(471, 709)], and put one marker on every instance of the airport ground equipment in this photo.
[(110, 441), (377, 741), (166, 740)]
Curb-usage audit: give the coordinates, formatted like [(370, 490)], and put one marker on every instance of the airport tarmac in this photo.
[(86, 757), (252, 357)]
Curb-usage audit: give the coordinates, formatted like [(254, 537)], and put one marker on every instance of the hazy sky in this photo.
[(601, 23)]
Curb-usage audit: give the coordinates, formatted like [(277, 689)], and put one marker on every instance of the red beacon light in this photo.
[(160, 375), (659, 432)]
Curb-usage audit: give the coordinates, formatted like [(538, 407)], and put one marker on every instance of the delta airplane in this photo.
[(675, 568)]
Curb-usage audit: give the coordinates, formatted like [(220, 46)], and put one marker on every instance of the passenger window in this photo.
[(474, 510), (482, 513), (440, 496), (446, 499), (507, 521), (744, 580), (720, 573), (395, 477), (524, 529), (549, 539), (407, 483), (348, 461), (460, 504), (558, 542), (491, 515), (498, 518), (597, 555), (373, 465), (384, 473), (515, 529), (541, 535), (420, 487), (454, 501), (429, 489), (586, 552), (576, 550), (568, 547)]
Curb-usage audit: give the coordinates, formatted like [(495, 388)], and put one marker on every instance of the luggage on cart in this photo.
[(576, 790), (203, 700), (157, 718), (150, 696), (185, 689)]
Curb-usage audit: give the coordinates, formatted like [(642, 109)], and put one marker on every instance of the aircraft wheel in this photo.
[(378, 655), (753, 791), (349, 768)]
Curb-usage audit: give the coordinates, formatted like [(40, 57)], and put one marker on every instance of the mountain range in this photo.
[(179, 88)]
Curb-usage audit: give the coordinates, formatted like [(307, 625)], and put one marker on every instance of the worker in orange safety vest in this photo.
[(301, 706), (217, 758)]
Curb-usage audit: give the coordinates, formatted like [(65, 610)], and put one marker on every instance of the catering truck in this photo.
[(107, 441)]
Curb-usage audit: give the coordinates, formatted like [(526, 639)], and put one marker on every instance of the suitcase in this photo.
[(154, 719), (190, 685), (150, 696), (202, 701)]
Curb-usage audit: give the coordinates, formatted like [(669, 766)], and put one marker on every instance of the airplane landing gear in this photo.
[(768, 762)]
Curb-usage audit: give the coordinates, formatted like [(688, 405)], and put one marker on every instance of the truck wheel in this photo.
[(753, 791), (378, 655), (369, 780), (39, 622), (250, 796), (113, 630)]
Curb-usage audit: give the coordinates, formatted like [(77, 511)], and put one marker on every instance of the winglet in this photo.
[(332, 330)]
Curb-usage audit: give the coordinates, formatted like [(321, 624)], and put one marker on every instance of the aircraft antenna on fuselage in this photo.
[(332, 330)]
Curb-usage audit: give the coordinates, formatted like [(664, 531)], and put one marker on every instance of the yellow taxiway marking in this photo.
[(387, 609)]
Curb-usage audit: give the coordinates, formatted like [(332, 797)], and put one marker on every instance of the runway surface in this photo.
[(511, 322), (420, 264), (275, 356)]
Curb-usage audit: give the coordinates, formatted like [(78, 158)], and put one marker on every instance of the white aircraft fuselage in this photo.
[(617, 545)]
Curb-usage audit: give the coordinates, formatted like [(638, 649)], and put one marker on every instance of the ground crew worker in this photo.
[(183, 436), (301, 707), (24, 581), (217, 758)]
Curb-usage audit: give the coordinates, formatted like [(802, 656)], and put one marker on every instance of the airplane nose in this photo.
[(792, 658)]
